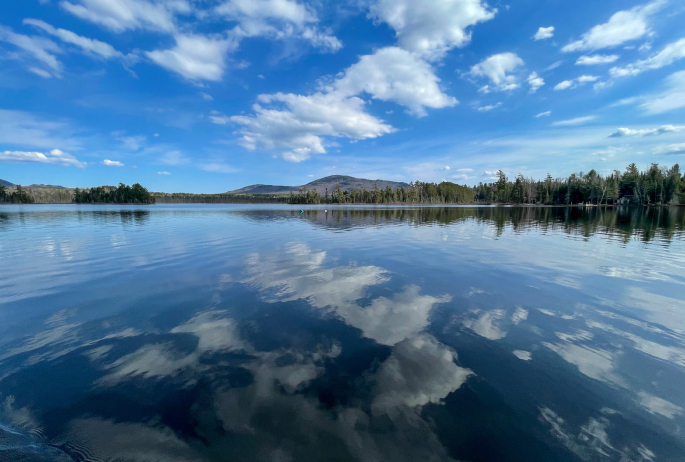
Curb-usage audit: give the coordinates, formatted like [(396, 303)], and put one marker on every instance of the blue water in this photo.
[(236, 332)]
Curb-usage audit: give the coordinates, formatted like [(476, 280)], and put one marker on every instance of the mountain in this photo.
[(7, 184), (347, 183), (52, 186)]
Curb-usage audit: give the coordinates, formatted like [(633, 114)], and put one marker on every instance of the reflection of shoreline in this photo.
[(645, 223)]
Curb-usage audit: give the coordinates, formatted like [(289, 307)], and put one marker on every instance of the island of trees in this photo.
[(656, 186), (123, 194)]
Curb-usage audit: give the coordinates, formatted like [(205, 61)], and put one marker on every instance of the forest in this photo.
[(417, 193), (656, 186), (18, 196), (123, 194)]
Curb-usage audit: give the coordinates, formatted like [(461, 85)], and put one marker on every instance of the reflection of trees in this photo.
[(644, 223)]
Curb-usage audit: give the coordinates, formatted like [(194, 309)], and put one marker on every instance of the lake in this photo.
[(259, 333)]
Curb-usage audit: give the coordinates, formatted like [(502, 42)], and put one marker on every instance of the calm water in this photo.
[(256, 333)]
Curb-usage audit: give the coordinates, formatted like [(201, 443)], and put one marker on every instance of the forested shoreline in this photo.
[(656, 186)]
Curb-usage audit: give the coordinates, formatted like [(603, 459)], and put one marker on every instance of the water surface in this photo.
[(259, 333)]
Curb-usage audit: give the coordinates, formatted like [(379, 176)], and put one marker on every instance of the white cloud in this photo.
[(26, 129), (132, 143), (582, 80), (672, 98), (496, 68), (217, 167), (596, 59), (394, 74), (277, 19), (112, 163), (564, 85), (195, 57), (300, 123), (55, 157), (621, 132), (573, 122), (622, 27), (96, 47), (39, 49), (544, 33), (207, 97), (678, 148), (535, 82), (489, 107), (174, 158), (122, 15), (544, 114), (431, 27), (670, 54), (163, 173), (40, 72)]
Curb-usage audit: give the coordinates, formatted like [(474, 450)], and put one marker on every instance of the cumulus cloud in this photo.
[(122, 15), (670, 54), (573, 83), (301, 123), (489, 107), (112, 163), (544, 114), (573, 122), (276, 19), (394, 74), (55, 157), (163, 173), (672, 98), (91, 46), (535, 82), (622, 27), (195, 57), (497, 68), (596, 59), (430, 28), (621, 132), (37, 49), (544, 33)]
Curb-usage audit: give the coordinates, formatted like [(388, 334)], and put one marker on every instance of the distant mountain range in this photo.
[(7, 184), (347, 183)]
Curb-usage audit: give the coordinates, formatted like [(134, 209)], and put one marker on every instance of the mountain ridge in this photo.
[(346, 182)]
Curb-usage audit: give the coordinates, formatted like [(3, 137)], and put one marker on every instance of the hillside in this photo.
[(7, 184), (347, 183)]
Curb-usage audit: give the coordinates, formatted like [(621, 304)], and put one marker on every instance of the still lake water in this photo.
[(256, 333)]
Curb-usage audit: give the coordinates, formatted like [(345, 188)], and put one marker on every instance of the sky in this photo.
[(212, 95)]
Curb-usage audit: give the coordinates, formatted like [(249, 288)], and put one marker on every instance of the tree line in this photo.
[(416, 193), (656, 186), (123, 194), (18, 196)]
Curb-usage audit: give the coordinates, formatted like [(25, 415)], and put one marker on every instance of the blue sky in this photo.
[(211, 95)]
